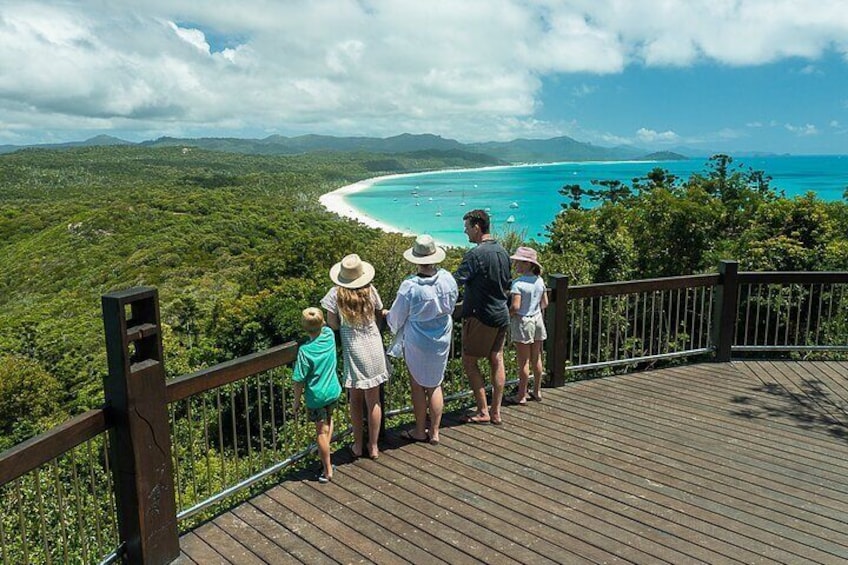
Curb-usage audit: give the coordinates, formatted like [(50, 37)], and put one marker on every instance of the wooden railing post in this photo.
[(557, 324), (140, 439), (724, 312)]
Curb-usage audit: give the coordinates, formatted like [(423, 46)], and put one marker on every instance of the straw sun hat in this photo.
[(527, 254), (424, 251), (352, 272)]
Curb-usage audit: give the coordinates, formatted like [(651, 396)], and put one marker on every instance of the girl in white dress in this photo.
[(352, 306)]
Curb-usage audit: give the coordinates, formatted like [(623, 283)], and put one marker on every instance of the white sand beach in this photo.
[(335, 202)]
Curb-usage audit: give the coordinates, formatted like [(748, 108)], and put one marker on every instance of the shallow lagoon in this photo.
[(526, 197)]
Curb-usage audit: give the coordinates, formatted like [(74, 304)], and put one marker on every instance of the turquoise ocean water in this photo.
[(526, 198)]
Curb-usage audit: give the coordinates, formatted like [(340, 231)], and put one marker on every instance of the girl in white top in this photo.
[(352, 306), (421, 319), (528, 299)]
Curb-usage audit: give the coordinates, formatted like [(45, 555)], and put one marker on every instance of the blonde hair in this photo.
[(313, 319), (356, 305)]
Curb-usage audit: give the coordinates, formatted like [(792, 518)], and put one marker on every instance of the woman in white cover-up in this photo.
[(421, 318), (352, 306)]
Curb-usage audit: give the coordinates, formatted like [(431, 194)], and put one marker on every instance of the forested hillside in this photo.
[(239, 244), (236, 244)]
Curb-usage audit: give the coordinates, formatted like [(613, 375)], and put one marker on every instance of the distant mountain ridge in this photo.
[(516, 151)]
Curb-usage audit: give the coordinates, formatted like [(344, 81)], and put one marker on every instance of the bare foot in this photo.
[(475, 419)]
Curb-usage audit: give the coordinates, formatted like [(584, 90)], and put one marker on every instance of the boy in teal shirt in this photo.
[(315, 370)]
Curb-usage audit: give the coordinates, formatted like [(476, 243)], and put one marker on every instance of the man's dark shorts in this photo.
[(480, 340), (323, 414)]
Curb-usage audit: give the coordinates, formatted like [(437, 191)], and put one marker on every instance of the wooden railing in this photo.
[(600, 326), (117, 482)]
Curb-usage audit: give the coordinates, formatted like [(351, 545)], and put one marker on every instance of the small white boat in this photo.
[(510, 219), (514, 205), (438, 212)]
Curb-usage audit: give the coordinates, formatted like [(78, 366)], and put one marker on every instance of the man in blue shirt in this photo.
[(485, 275)]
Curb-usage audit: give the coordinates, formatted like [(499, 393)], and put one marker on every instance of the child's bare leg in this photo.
[(357, 398), (538, 369), (375, 415), (324, 432), (522, 357)]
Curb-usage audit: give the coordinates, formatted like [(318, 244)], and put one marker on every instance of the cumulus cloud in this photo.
[(652, 136), (805, 130), (193, 37), (471, 69)]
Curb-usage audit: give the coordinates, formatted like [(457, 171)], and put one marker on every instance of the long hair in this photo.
[(356, 305)]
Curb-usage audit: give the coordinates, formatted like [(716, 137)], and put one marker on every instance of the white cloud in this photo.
[(652, 136), (805, 130), (834, 123), (193, 37), (471, 69), (754, 124)]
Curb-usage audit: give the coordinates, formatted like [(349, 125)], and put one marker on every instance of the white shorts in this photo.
[(527, 329)]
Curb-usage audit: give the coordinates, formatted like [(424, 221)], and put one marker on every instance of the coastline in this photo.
[(335, 202)]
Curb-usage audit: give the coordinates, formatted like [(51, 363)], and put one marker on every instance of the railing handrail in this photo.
[(230, 371), (34, 452), (793, 277), (642, 285)]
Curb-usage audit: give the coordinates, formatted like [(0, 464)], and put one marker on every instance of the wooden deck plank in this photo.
[(757, 436), (264, 548), (544, 508), (671, 467), (224, 543), (422, 522), (743, 462), (372, 521), (671, 502), (304, 527), (758, 462), (491, 512), (367, 538), (802, 389), (196, 549), (280, 535), (571, 502)]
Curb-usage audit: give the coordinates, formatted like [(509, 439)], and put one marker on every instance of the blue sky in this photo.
[(711, 75)]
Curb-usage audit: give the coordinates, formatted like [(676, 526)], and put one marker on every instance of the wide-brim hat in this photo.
[(352, 272), (424, 251), (527, 254)]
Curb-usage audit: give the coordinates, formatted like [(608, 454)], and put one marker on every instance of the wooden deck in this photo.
[(714, 463)]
